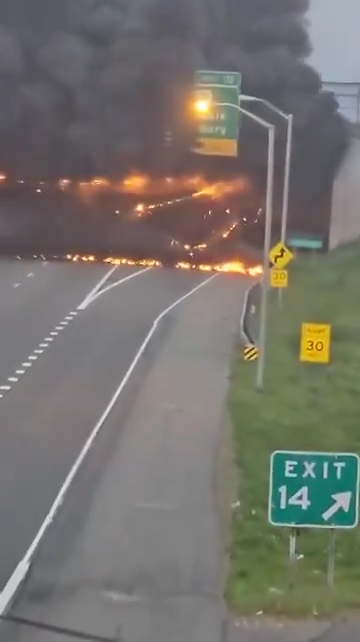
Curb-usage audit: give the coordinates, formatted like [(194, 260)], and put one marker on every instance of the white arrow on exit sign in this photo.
[(341, 502)]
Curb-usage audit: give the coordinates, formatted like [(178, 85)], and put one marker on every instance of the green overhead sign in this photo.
[(305, 243), (218, 129)]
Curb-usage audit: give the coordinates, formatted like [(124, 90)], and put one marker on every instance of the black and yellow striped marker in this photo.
[(251, 353)]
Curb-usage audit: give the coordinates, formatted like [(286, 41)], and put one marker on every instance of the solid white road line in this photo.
[(20, 572), (96, 293), (97, 287)]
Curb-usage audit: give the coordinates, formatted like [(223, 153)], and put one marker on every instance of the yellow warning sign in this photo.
[(279, 278), (251, 353), (315, 342), (280, 255)]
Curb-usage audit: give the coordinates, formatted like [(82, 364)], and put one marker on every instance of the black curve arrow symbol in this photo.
[(280, 255)]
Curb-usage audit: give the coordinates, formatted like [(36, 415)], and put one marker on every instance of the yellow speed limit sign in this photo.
[(279, 278), (315, 342)]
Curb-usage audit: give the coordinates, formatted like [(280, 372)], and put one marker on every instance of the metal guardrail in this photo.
[(249, 302)]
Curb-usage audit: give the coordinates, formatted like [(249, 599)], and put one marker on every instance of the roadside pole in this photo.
[(265, 285), (204, 105), (266, 265), (285, 207), (288, 157)]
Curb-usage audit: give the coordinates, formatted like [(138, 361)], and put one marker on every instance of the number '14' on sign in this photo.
[(300, 498)]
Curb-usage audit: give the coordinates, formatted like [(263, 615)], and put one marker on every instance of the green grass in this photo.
[(304, 407)]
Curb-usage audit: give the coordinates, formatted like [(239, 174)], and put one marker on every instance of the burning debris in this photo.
[(99, 217), (95, 87), (231, 267)]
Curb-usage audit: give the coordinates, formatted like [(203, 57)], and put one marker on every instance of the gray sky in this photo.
[(335, 31)]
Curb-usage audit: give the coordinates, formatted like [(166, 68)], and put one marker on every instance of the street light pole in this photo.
[(288, 155), (266, 265), (285, 209), (287, 171), (265, 284)]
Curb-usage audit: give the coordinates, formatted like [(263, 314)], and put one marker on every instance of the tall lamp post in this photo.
[(288, 155), (203, 106)]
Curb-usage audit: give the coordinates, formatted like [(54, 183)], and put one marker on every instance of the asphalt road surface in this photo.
[(59, 368), (47, 414)]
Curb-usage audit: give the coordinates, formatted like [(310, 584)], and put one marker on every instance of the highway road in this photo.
[(63, 358)]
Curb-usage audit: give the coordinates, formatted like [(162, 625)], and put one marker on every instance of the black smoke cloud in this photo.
[(90, 86)]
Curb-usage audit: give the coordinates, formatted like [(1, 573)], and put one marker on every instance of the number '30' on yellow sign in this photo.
[(315, 342), (279, 278)]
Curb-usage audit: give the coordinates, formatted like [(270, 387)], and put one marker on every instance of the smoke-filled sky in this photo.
[(335, 33), (91, 85)]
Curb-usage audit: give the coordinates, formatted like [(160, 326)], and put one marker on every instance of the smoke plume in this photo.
[(91, 86)]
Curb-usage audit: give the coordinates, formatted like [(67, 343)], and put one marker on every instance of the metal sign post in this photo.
[(292, 556), (285, 207), (331, 559), (266, 267)]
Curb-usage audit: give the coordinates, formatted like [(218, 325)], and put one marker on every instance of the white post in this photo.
[(331, 559), (285, 209), (266, 263), (265, 286), (285, 206), (292, 556)]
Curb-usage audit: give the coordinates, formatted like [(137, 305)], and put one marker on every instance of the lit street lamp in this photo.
[(203, 106)]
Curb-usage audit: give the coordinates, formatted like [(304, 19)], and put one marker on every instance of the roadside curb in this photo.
[(244, 321)]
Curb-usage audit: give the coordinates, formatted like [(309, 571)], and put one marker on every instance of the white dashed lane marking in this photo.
[(35, 355)]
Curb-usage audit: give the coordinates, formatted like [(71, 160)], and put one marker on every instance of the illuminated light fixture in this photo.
[(203, 101)]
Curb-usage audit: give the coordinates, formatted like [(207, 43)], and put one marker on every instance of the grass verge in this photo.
[(304, 407)]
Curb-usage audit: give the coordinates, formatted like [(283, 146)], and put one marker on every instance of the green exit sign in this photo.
[(305, 243), (218, 78), (218, 129), (314, 489)]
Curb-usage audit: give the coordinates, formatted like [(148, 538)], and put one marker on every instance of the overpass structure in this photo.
[(345, 198), (345, 202)]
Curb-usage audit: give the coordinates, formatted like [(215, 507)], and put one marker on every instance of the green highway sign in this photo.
[(314, 489), (305, 243), (218, 128)]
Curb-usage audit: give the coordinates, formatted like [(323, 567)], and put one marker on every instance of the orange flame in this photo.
[(231, 267)]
